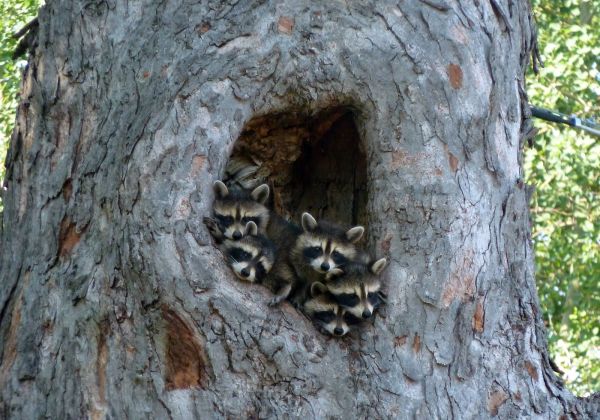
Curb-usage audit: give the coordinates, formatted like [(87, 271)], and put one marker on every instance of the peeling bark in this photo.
[(115, 303)]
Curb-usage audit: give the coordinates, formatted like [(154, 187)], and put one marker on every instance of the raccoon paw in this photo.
[(299, 306), (382, 296), (282, 294), (213, 228), (276, 300), (321, 329)]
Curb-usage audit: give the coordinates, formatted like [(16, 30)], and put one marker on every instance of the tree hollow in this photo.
[(313, 163)]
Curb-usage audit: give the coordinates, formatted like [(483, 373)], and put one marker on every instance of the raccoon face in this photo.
[(234, 209), (250, 258), (327, 314), (325, 247), (356, 288)]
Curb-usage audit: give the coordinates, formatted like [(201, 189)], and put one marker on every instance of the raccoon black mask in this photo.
[(251, 257), (327, 315), (325, 246), (233, 209), (357, 287)]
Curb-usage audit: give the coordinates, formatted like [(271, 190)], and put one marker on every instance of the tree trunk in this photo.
[(409, 118)]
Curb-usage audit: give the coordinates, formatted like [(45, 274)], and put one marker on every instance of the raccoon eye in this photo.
[(247, 219), (224, 220), (374, 298), (338, 257), (325, 317), (347, 299), (239, 254), (351, 319), (313, 252)]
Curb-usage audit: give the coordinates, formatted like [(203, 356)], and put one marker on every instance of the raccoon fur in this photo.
[(306, 255), (252, 257), (283, 277), (324, 246), (233, 209), (245, 172), (328, 316), (357, 287)]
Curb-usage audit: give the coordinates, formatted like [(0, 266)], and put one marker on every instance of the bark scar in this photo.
[(530, 367), (495, 401), (285, 25), (186, 365), (461, 281), (478, 317), (417, 343), (69, 236), (10, 338), (67, 189), (455, 74), (102, 361), (453, 161)]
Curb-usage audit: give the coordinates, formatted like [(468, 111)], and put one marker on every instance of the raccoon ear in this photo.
[(220, 189), (308, 222), (376, 267), (354, 234), (260, 193), (251, 229), (317, 289), (334, 273)]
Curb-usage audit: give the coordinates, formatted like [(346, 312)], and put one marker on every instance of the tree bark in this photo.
[(115, 302)]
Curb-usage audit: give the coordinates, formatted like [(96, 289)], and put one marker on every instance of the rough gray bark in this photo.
[(115, 302)]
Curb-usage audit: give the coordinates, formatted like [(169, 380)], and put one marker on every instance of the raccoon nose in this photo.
[(366, 313), (324, 266), (237, 235), (338, 331), (245, 272)]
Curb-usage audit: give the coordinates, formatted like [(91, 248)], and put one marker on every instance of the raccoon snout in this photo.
[(325, 266), (245, 272), (366, 313), (237, 235), (338, 331)]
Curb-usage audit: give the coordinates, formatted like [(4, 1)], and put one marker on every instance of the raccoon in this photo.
[(327, 315), (307, 254), (357, 287), (251, 257), (324, 246), (246, 172), (234, 209)]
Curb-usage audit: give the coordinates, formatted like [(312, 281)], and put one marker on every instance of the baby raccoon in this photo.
[(252, 257), (356, 287), (307, 254), (234, 209), (327, 315), (245, 172), (324, 246)]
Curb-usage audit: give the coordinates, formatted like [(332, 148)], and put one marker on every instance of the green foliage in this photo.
[(14, 15), (564, 166)]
